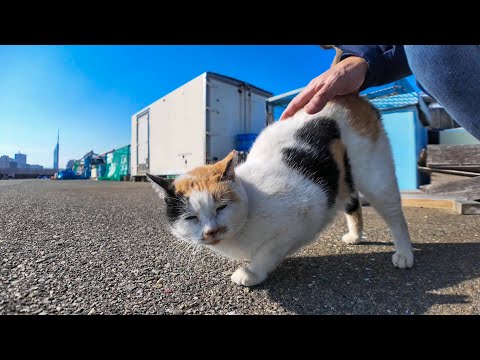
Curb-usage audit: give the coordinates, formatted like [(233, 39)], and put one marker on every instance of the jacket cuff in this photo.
[(373, 55)]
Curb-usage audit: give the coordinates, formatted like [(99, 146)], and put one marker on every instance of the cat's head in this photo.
[(206, 205)]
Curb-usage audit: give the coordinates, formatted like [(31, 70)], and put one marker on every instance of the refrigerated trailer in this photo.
[(194, 125)]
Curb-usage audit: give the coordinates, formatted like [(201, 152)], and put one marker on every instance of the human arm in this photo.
[(386, 63), (359, 67)]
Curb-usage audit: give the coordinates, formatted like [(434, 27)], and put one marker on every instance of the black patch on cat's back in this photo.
[(318, 163), (175, 206)]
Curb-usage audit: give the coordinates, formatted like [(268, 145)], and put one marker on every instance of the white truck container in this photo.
[(195, 124)]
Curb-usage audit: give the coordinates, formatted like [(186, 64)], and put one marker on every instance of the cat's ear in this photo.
[(227, 166), (163, 187)]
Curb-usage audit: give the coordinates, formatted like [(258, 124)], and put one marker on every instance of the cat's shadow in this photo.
[(370, 284)]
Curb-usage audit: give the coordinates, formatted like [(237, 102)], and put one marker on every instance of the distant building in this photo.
[(7, 162), (21, 160), (56, 153), (4, 161), (70, 164)]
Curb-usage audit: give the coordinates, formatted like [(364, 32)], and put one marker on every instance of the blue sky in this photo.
[(90, 92)]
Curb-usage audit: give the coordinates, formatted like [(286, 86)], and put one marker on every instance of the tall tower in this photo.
[(56, 152)]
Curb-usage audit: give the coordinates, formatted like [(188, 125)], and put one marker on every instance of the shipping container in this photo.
[(195, 124)]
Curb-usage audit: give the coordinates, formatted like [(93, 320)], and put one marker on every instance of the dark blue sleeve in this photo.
[(386, 63)]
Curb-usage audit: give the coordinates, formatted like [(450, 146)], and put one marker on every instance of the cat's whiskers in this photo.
[(184, 252), (197, 250), (179, 244), (183, 244), (193, 250)]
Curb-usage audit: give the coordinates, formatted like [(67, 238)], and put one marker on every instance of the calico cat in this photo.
[(297, 176)]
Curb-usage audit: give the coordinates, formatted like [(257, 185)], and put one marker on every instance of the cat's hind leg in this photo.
[(391, 211), (375, 178), (353, 212)]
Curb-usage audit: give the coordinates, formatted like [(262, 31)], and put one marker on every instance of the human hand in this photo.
[(343, 78)]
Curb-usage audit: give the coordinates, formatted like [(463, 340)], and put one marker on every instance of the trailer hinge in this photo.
[(212, 110)]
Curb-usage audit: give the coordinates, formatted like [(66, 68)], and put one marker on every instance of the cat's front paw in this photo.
[(243, 276), (351, 238), (403, 260)]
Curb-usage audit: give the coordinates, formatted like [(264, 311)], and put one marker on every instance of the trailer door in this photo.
[(143, 143)]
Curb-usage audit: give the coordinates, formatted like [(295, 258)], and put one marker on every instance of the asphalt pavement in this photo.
[(87, 247)]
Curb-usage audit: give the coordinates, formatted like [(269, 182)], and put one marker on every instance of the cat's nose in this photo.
[(211, 232)]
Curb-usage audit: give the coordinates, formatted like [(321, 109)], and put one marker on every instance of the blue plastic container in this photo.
[(245, 141)]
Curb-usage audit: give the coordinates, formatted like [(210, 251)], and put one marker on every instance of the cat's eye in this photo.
[(221, 207), (191, 218)]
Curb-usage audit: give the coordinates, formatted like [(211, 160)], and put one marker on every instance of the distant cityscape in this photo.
[(18, 166), (18, 162)]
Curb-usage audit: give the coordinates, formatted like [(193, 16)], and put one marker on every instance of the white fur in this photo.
[(202, 205), (354, 236), (280, 210)]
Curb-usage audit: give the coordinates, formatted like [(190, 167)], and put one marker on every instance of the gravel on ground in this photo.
[(88, 247)]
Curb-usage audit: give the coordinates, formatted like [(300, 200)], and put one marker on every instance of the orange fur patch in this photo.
[(364, 118), (207, 178)]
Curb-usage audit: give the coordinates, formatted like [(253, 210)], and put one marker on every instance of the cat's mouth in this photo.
[(215, 237), (211, 242)]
